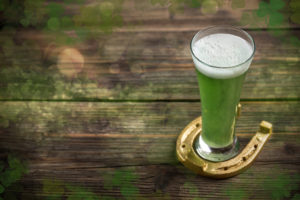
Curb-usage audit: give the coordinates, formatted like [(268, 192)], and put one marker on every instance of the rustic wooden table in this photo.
[(94, 94)]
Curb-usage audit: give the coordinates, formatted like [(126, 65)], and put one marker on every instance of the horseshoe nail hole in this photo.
[(183, 146), (255, 146), (244, 159), (225, 168), (197, 125)]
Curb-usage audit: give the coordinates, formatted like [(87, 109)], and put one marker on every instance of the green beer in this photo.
[(222, 56), (219, 108)]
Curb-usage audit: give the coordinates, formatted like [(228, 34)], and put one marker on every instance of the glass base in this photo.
[(216, 154)]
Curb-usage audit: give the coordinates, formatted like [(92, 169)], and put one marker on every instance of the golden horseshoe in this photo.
[(187, 155)]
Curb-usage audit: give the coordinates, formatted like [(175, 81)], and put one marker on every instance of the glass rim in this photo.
[(228, 27)]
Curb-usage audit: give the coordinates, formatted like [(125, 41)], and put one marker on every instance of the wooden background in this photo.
[(102, 118)]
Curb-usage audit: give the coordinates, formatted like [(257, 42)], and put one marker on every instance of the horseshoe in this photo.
[(225, 169)]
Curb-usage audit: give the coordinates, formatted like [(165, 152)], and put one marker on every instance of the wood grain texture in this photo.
[(116, 102), (148, 118), (175, 182), (137, 66), (83, 143)]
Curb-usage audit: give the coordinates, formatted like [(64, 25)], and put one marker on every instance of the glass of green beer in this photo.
[(222, 55)]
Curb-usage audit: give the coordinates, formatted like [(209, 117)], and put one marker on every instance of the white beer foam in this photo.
[(223, 53)]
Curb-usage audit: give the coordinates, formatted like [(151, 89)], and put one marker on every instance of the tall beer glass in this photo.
[(222, 56)]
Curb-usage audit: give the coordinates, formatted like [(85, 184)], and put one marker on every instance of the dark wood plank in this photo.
[(91, 145), (171, 182), (129, 126), (149, 118), (136, 66)]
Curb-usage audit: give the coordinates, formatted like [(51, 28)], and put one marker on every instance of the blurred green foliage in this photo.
[(267, 14), (25, 12), (40, 83), (272, 11), (124, 181), (251, 19), (281, 185), (295, 11), (296, 196), (274, 183), (272, 14), (56, 190), (105, 16), (53, 16), (34, 13), (192, 190), (30, 83), (79, 193), (53, 189), (11, 171), (236, 193), (120, 179)]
